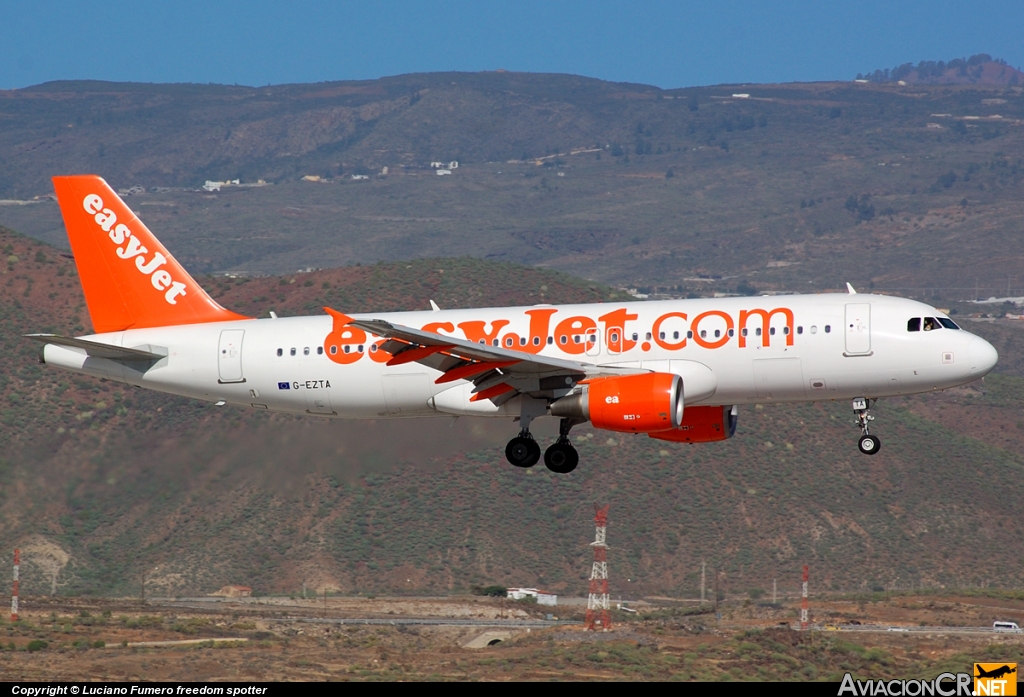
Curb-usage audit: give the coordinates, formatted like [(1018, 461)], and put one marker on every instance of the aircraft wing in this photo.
[(497, 373)]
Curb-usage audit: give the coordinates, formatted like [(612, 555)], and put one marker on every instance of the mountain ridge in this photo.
[(555, 171)]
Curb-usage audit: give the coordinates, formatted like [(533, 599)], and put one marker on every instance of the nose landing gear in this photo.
[(867, 444)]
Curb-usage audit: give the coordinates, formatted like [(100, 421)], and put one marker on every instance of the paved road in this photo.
[(913, 630), (434, 621), (271, 610)]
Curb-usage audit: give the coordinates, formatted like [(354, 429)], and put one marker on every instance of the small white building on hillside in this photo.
[(542, 597)]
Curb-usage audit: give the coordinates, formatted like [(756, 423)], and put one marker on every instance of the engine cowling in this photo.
[(702, 425), (642, 403)]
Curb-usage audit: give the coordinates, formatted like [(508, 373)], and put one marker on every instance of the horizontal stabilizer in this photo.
[(96, 349)]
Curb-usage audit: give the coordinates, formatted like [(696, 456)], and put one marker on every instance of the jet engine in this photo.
[(641, 403), (702, 425)]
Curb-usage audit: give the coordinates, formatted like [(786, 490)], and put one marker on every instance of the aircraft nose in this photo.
[(983, 356)]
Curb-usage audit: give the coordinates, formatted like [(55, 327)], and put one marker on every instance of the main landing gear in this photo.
[(868, 444), (523, 451), (560, 457)]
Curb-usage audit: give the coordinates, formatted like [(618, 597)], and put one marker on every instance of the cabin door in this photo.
[(858, 329), (229, 356)]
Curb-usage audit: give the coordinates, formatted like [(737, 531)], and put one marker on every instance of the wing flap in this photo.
[(526, 362)]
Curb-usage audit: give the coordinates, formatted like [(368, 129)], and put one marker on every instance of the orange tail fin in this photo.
[(130, 280)]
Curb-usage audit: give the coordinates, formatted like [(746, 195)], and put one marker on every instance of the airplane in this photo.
[(994, 673), (676, 370)]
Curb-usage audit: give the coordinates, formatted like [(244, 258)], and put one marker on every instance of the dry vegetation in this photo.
[(101, 482), (93, 640)]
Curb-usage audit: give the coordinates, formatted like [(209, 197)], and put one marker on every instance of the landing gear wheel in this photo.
[(561, 457), (522, 451), (869, 445)]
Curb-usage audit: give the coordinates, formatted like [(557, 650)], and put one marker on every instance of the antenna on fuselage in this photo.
[(850, 289)]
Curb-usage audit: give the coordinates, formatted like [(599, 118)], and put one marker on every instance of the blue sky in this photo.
[(669, 44)]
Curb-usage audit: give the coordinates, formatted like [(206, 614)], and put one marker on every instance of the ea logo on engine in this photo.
[(611, 400)]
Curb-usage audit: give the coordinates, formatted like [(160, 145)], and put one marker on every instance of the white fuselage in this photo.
[(812, 348)]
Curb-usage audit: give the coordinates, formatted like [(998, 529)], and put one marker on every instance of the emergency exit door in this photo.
[(858, 329), (229, 355)]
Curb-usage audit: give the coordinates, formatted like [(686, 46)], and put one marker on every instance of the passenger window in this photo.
[(305, 351), (675, 335), (635, 336), (319, 350), (800, 330), (771, 331), (948, 323), (785, 331), (536, 341), (615, 337), (689, 335), (522, 341), (334, 350), (495, 342), (360, 348), (508, 341), (743, 331), (758, 331), (291, 352), (280, 352), (703, 334), (551, 340), (718, 333), (661, 335), (373, 348), (563, 339), (814, 329), (914, 324), (732, 332), (592, 338), (931, 323), (348, 349), (828, 328), (648, 336), (576, 338)]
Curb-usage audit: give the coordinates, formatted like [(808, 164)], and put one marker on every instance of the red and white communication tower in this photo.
[(803, 600), (597, 601), (14, 590)]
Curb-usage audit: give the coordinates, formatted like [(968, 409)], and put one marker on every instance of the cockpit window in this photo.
[(948, 323), (914, 324), (931, 323)]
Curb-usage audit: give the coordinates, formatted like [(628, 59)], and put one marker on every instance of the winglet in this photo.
[(850, 289), (340, 318), (434, 307)]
